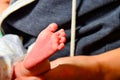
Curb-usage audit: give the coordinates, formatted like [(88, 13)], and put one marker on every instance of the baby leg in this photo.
[(36, 61), (47, 43)]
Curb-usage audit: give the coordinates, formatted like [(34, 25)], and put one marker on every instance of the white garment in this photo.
[(11, 49)]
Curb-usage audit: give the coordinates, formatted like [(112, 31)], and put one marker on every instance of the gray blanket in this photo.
[(97, 29)]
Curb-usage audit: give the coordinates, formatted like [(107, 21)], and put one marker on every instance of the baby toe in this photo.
[(62, 40), (61, 46), (52, 27)]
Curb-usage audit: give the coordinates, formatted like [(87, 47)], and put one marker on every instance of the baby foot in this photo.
[(47, 43)]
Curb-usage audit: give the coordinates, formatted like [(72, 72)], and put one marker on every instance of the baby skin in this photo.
[(36, 61), (3, 5)]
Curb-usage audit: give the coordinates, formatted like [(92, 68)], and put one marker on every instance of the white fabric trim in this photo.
[(15, 6)]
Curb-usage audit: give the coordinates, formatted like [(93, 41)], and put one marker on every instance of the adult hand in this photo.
[(74, 68), (100, 67), (105, 66), (70, 68)]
